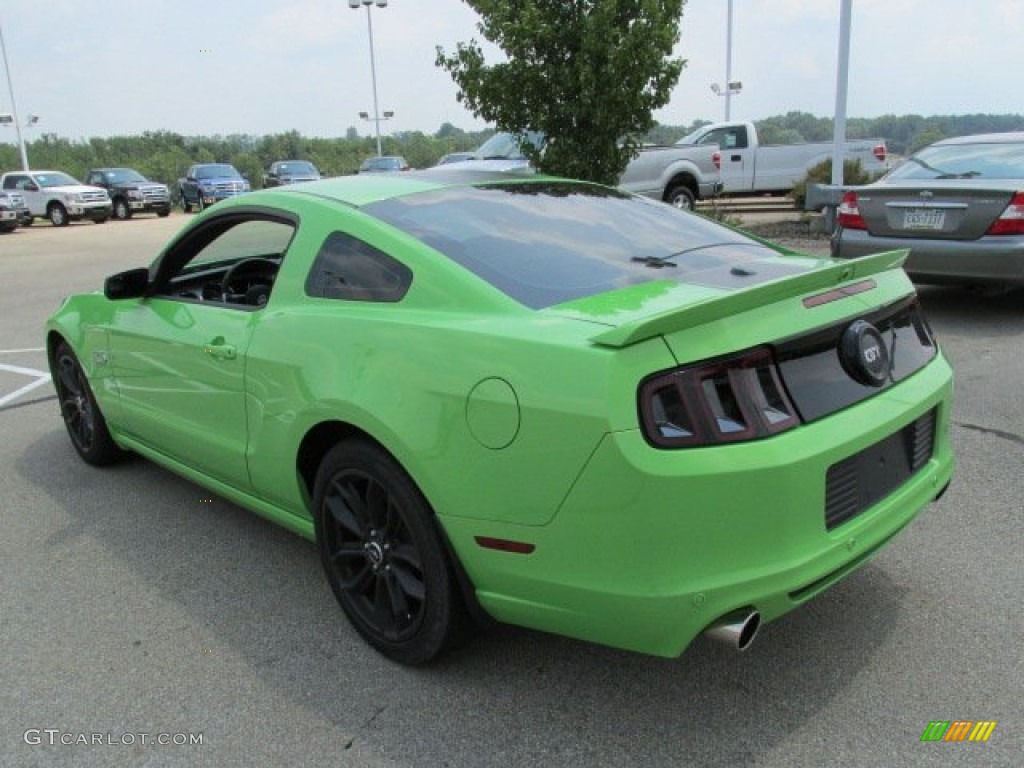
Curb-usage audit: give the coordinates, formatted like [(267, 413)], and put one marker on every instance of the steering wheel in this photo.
[(255, 291)]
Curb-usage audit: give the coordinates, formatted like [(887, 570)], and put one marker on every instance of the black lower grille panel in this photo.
[(859, 481)]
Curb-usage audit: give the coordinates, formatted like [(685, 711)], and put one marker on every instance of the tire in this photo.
[(681, 197), (384, 555), (57, 214), (122, 211), (185, 204), (85, 423), (102, 220), (8, 228), (163, 213)]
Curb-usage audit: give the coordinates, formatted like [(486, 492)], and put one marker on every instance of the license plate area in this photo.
[(862, 480), (927, 219)]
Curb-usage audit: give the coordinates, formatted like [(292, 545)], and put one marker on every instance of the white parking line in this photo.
[(41, 378)]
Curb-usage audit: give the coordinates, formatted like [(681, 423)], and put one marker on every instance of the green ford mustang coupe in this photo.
[(524, 399)]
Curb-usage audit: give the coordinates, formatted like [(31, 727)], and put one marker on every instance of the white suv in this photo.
[(56, 196)]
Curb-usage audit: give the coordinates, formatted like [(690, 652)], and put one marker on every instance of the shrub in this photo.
[(853, 174)]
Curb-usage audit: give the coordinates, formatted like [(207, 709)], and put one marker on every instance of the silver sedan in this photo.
[(957, 205)]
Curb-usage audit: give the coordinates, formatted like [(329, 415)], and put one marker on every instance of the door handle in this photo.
[(221, 351), (736, 158)]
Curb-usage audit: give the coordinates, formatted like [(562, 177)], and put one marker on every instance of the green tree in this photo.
[(587, 73)]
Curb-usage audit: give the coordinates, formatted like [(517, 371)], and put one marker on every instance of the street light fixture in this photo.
[(355, 4)]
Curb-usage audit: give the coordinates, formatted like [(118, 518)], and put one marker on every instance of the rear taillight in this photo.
[(880, 152), (716, 158), (849, 213), (1011, 220), (722, 401)]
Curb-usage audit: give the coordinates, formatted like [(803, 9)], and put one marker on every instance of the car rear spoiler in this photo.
[(817, 278)]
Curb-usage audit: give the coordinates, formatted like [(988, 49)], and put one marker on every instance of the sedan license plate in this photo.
[(924, 218)]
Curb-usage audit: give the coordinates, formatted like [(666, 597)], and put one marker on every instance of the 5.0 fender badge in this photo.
[(863, 354)]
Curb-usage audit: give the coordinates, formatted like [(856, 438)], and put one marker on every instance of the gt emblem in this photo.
[(863, 354)]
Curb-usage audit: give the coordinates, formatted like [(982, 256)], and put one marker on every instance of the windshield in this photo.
[(55, 179), (545, 243), (284, 169), (964, 161), (217, 172), (507, 146), (123, 175)]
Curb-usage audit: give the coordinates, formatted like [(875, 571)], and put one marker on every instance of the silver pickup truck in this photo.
[(749, 167), (676, 175), (13, 211)]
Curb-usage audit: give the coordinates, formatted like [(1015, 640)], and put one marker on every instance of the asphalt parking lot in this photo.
[(135, 603)]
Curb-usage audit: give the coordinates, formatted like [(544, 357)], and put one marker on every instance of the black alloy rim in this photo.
[(75, 405), (371, 556)]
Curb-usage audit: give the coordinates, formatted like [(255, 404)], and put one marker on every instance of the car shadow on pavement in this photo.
[(513, 696)]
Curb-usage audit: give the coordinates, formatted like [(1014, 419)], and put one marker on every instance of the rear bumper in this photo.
[(985, 260), (652, 546)]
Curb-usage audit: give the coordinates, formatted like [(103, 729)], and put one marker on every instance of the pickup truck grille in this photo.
[(155, 194), (94, 197), (228, 186), (15, 199)]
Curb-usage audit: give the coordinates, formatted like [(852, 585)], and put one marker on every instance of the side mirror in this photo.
[(31, 187), (127, 285)]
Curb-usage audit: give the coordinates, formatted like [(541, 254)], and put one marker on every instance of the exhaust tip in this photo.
[(736, 630)]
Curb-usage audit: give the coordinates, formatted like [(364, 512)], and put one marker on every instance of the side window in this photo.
[(351, 270), (13, 181), (232, 260)]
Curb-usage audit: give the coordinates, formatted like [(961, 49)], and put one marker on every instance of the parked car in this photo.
[(56, 196), (383, 164), (455, 157), (512, 397), (285, 172), (749, 167), (131, 192), (958, 206), (13, 211), (207, 183)]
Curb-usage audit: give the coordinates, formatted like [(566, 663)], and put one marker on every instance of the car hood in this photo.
[(72, 189), (662, 307)]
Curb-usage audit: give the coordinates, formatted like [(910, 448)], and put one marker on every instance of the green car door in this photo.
[(178, 355)]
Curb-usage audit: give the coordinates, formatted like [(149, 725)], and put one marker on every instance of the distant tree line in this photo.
[(165, 156)]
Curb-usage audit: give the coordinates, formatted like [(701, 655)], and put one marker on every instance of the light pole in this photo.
[(14, 106), (731, 86), (373, 65)]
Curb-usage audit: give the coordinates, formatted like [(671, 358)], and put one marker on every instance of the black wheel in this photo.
[(122, 210), (681, 197), (86, 425), (57, 214), (163, 213), (101, 220), (185, 204), (384, 556)]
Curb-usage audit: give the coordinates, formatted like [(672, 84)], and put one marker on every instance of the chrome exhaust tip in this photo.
[(736, 630)]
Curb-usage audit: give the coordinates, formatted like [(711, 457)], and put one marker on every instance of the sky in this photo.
[(205, 67)]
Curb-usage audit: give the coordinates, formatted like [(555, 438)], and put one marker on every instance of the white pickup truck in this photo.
[(56, 196), (751, 167), (676, 175)]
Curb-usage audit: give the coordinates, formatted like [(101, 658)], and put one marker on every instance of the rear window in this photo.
[(545, 243), (965, 161)]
